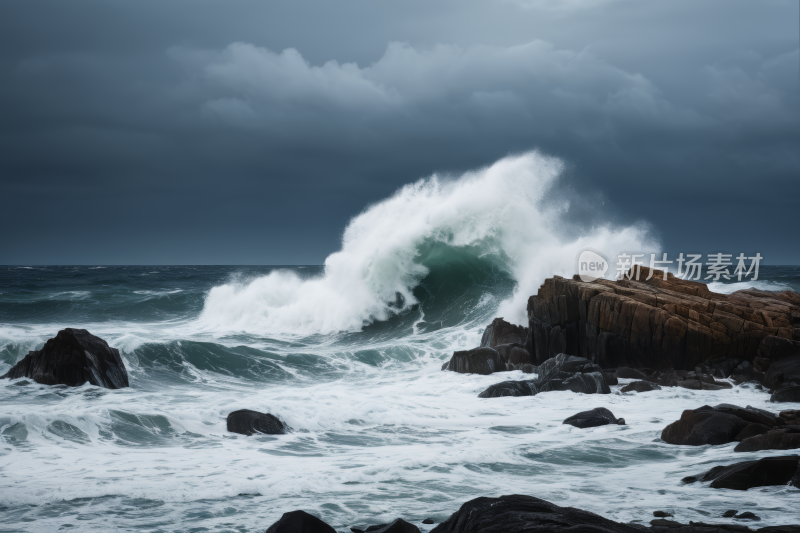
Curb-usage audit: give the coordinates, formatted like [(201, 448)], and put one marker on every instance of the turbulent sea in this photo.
[(348, 355)]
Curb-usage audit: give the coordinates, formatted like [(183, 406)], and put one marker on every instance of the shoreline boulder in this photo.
[(525, 514), (73, 357), (247, 422), (299, 522), (481, 360), (749, 474)]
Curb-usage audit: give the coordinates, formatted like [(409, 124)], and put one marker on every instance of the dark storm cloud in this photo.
[(249, 132)]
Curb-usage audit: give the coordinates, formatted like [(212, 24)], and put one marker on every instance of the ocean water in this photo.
[(348, 355)]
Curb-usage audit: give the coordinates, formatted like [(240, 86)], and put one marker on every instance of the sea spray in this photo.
[(504, 211)]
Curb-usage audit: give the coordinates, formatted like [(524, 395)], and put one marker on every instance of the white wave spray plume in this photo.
[(497, 209)]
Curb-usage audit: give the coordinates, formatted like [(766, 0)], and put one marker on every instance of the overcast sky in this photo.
[(250, 132)]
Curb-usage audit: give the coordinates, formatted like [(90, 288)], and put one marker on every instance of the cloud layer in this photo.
[(249, 133)]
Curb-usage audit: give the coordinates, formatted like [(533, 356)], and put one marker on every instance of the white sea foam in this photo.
[(764, 285), (503, 210)]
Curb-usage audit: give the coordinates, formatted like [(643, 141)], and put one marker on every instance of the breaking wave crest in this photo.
[(505, 214)]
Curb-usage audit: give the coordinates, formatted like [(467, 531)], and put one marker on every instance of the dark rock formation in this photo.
[(599, 416), (663, 323), (789, 393), (704, 425), (525, 514), (662, 514), (640, 386), (748, 474), (786, 370), (725, 423), (750, 414), (428, 521), (747, 515), (751, 430), (790, 417), (729, 514), (247, 422), (514, 354), (398, 526), (563, 372), (300, 522), (786, 438), (476, 361), (501, 332), (73, 357)]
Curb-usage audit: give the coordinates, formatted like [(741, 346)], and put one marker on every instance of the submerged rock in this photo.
[(599, 416), (525, 514), (640, 386), (561, 373), (749, 474), (300, 522), (73, 357), (247, 422)]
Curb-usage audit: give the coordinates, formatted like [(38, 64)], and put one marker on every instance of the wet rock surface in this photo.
[(749, 474), (664, 322), (754, 429), (561, 373), (518, 514), (247, 422), (599, 416), (73, 357), (300, 522)]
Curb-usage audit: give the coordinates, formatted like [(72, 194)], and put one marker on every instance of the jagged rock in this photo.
[(786, 394), (776, 439), (247, 422), (563, 372), (629, 373), (300, 522), (514, 354), (73, 357), (599, 416), (611, 379), (476, 361), (704, 425), (749, 474), (640, 386), (525, 514), (662, 322), (528, 369), (502, 332)]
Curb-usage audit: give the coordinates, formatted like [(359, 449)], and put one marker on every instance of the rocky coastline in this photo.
[(654, 332)]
